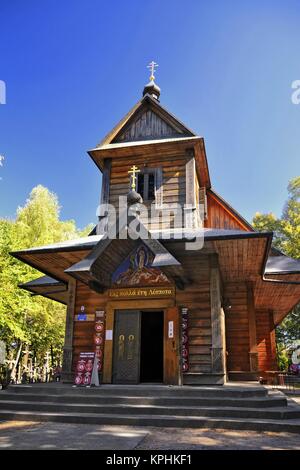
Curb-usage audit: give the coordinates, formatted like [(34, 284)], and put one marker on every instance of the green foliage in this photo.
[(282, 357), (34, 320), (286, 228), (269, 223), (287, 239)]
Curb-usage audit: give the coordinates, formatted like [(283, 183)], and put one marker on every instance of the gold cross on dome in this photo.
[(152, 66), (133, 170)]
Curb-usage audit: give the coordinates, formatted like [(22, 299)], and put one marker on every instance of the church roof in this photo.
[(149, 128), (242, 255), (187, 233), (282, 265), (137, 113), (47, 287)]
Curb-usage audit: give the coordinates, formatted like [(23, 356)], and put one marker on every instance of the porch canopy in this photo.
[(243, 256)]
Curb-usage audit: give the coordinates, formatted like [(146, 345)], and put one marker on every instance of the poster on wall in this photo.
[(84, 369), (184, 340), (99, 337)]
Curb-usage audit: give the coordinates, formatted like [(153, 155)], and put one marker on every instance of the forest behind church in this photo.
[(33, 327)]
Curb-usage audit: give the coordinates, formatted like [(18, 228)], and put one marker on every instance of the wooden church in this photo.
[(184, 291)]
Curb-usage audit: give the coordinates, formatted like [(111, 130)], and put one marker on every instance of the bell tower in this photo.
[(172, 176)]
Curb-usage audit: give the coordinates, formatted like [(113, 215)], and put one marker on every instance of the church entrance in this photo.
[(138, 347), (152, 344)]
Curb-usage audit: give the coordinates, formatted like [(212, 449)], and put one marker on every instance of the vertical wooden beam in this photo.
[(171, 347), (190, 185), (158, 188), (274, 360), (104, 198), (253, 355), (108, 345), (67, 375), (218, 349)]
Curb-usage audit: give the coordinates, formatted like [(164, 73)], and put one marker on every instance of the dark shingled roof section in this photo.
[(91, 241), (42, 281), (281, 264)]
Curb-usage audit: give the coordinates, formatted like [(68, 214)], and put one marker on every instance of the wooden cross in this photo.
[(152, 67), (133, 170)]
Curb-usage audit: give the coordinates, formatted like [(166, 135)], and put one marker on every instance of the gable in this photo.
[(147, 120), (222, 216), (147, 125)]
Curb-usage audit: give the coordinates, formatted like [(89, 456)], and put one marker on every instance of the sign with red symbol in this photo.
[(184, 340), (99, 326), (98, 340), (99, 336), (85, 368)]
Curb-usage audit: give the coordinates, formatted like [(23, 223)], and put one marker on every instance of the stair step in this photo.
[(141, 391), (134, 409), (160, 421), (249, 402)]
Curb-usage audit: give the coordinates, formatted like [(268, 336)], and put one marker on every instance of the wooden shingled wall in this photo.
[(237, 327), (197, 299), (266, 346), (83, 333), (173, 174), (218, 216)]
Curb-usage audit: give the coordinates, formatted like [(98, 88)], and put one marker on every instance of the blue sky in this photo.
[(72, 69)]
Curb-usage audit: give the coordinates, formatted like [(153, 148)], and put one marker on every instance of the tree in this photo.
[(287, 239), (25, 320)]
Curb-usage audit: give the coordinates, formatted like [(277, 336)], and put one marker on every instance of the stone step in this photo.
[(158, 421), (142, 391), (248, 402), (136, 410)]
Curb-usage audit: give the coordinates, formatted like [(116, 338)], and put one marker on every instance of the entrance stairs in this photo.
[(232, 406)]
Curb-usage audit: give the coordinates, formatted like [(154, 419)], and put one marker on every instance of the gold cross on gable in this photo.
[(152, 66), (133, 170)]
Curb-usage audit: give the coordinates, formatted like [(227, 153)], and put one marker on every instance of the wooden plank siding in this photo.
[(266, 346), (196, 298), (220, 216), (173, 180), (237, 327), (83, 334)]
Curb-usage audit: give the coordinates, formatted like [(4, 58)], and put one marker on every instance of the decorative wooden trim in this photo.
[(67, 375)]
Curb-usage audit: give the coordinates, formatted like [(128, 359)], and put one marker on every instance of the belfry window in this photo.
[(146, 185)]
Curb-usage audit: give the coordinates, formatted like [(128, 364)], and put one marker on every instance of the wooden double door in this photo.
[(145, 348)]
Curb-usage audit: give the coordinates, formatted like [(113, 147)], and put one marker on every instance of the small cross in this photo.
[(152, 66), (133, 170)]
